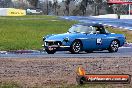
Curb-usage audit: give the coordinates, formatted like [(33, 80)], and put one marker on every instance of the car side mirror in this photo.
[(107, 33), (97, 32)]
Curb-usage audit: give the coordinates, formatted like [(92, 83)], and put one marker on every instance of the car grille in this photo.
[(50, 43)]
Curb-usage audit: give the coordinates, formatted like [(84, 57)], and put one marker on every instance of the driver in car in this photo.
[(100, 30)]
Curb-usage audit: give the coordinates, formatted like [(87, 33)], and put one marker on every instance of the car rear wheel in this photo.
[(114, 46), (50, 51), (76, 47)]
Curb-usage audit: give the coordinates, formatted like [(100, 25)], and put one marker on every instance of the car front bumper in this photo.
[(57, 47)]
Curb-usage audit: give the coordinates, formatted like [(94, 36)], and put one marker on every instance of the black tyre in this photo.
[(113, 46), (76, 47), (50, 51)]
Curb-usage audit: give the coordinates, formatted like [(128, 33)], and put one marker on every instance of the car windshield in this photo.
[(81, 29)]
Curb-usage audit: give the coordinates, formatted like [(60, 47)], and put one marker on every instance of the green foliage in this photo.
[(33, 2), (15, 85), (127, 33), (27, 32), (9, 85), (89, 86)]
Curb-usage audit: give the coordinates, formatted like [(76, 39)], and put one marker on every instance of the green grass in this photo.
[(29, 16), (90, 86), (127, 33), (9, 85), (26, 32), (22, 33), (16, 85)]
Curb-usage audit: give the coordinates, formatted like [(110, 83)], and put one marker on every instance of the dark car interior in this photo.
[(100, 30)]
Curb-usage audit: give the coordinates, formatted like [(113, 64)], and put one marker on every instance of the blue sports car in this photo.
[(86, 37)]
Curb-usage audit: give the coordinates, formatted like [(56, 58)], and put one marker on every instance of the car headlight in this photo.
[(66, 39)]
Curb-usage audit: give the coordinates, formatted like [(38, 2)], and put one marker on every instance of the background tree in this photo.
[(55, 6), (67, 2), (98, 6), (33, 3), (83, 6), (5, 3)]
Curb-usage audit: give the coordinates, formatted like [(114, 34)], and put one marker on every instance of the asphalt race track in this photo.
[(123, 52), (117, 23)]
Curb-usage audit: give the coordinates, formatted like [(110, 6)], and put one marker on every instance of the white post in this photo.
[(129, 9)]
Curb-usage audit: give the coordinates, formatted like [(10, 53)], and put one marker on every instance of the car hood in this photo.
[(60, 37)]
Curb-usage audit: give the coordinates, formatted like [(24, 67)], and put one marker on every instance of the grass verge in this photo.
[(9, 85), (15, 85), (127, 33), (27, 32)]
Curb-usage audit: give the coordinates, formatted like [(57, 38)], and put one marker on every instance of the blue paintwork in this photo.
[(89, 41)]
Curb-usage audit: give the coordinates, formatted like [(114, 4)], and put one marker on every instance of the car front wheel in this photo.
[(114, 46), (50, 51), (76, 47)]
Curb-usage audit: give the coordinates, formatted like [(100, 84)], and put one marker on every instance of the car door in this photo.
[(89, 40), (101, 41), (101, 38)]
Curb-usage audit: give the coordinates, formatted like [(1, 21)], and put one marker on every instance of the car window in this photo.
[(81, 29), (107, 31), (93, 30)]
